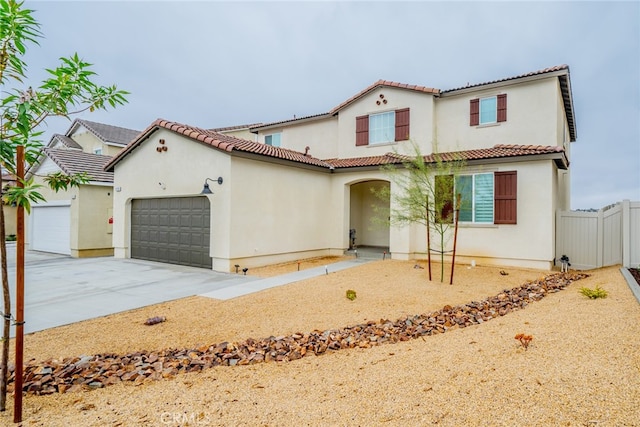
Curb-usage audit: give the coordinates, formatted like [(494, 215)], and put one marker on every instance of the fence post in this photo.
[(600, 239), (626, 233)]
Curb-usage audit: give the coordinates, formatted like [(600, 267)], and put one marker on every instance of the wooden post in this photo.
[(17, 402), (428, 240), (455, 238)]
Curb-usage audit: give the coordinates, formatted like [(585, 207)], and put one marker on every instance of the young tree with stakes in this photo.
[(424, 195), (67, 90)]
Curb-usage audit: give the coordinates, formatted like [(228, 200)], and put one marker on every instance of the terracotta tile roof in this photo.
[(529, 74), (228, 128), (384, 83), (66, 141), (496, 152), (73, 161), (297, 119), (107, 133), (219, 141)]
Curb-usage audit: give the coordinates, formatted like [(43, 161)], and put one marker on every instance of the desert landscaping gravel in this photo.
[(582, 366)]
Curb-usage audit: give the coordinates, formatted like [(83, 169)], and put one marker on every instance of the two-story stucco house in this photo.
[(77, 222), (297, 187)]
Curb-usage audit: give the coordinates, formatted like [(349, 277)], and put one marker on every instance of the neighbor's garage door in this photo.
[(174, 231), (51, 229)]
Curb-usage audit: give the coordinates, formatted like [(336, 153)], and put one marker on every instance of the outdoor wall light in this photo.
[(206, 189)]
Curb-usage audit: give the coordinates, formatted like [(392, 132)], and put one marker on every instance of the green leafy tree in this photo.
[(67, 90), (424, 194)]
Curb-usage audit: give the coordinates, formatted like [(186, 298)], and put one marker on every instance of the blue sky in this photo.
[(215, 64)]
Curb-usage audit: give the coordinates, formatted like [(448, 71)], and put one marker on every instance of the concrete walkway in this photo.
[(285, 279), (60, 290)]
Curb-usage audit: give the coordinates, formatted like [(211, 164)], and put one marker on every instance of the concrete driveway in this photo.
[(60, 290)]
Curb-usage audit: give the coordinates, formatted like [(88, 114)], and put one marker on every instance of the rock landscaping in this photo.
[(100, 370)]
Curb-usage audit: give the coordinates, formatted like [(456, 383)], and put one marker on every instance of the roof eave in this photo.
[(275, 125), (509, 82)]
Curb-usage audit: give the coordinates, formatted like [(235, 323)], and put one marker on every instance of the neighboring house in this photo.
[(10, 211), (298, 190), (78, 221)]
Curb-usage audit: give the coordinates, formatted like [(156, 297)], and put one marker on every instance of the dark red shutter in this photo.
[(362, 130), (444, 199), (505, 191), (402, 124), (502, 107), (474, 115)]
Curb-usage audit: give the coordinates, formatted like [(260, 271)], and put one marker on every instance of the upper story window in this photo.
[(97, 150), (488, 110), (274, 139), (381, 128)]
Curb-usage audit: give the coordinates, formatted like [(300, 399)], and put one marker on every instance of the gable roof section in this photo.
[(72, 162), (64, 140), (384, 83), (563, 74), (218, 141), (107, 133)]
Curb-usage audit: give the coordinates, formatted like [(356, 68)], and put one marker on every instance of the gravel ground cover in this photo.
[(582, 366)]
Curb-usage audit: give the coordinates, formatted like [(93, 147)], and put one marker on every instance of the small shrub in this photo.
[(351, 294), (596, 293), (11, 238), (524, 340)]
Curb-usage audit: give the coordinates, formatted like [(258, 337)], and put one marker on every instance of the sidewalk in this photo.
[(271, 282)]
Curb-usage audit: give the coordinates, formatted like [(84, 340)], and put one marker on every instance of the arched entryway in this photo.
[(369, 213)]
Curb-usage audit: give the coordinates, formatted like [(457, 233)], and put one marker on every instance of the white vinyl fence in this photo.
[(609, 236)]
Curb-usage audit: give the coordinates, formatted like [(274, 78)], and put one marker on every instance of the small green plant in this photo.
[(351, 294), (596, 293), (11, 238)]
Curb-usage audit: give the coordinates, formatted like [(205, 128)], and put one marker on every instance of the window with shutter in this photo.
[(488, 110), (402, 124), (474, 114), (505, 197), (362, 130)]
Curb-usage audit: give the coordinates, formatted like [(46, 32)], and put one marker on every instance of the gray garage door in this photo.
[(174, 231)]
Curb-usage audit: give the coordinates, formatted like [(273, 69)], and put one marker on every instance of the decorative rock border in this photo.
[(100, 370)]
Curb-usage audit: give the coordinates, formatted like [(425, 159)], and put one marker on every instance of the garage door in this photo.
[(174, 230), (51, 229)]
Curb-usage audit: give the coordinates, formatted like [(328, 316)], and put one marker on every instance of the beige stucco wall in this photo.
[(421, 121), (91, 233), (179, 171), (89, 142), (10, 219), (242, 134), (320, 136), (279, 213), (532, 117), (529, 243)]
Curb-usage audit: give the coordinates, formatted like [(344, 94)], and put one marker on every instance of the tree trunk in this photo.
[(4, 358)]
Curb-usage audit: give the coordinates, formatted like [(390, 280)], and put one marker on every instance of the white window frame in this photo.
[(474, 197), (97, 150), (494, 112), (382, 128), (268, 139)]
